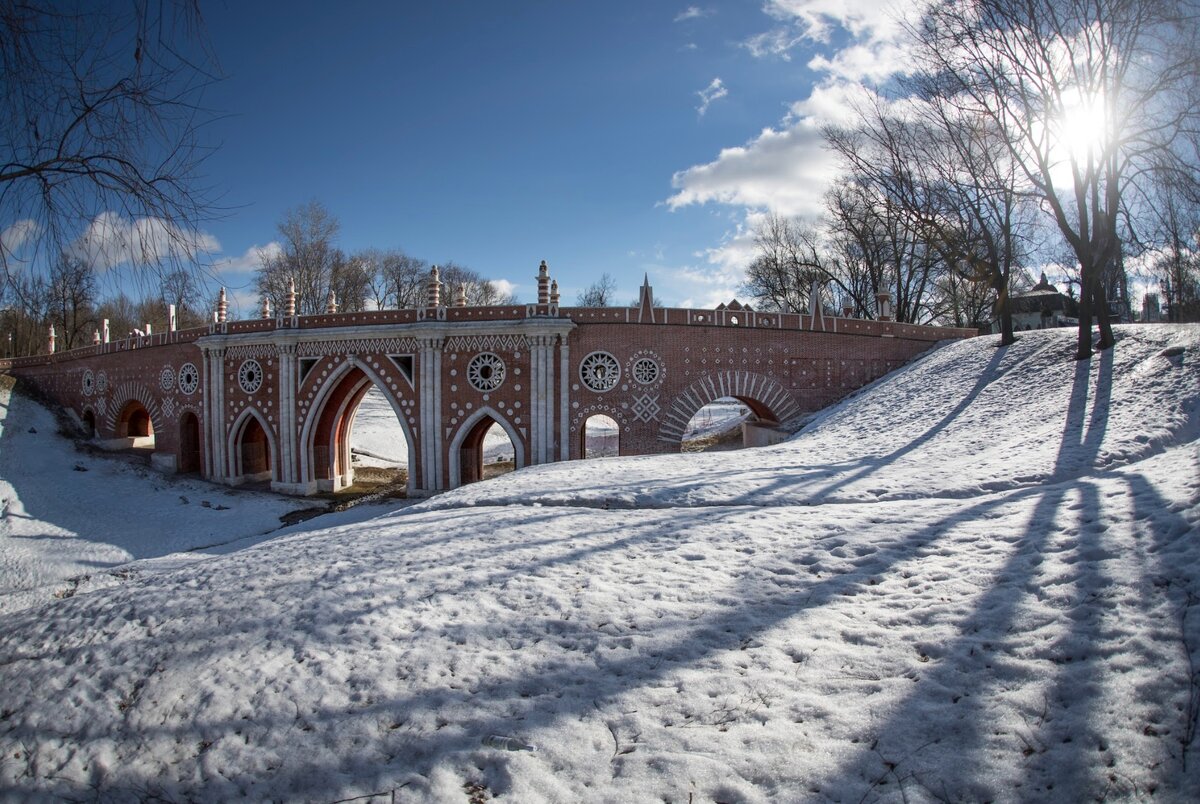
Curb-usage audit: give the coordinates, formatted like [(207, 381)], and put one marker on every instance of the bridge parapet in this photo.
[(275, 398)]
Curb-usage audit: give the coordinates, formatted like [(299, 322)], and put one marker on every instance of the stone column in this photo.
[(429, 373), (564, 412), (288, 432), (541, 397), (214, 414)]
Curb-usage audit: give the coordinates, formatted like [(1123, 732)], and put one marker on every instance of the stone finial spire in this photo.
[(554, 291), (460, 295), (51, 340), (172, 319), (222, 307), (883, 302), (646, 302), (96, 338), (104, 330), (543, 280), (290, 309), (433, 288), (331, 305), (266, 307)]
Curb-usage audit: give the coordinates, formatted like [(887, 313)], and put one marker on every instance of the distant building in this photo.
[(1042, 307), (1151, 312)]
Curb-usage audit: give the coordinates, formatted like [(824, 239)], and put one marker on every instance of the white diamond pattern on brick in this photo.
[(646, 408)]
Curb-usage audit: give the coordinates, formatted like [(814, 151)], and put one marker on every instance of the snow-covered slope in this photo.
[(65, 514), (978, 580)]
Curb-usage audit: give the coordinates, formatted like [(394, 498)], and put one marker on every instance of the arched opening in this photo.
[(189, 443), (600, 437), (377, 442), (728, 423), (352, 416), (254, 451), (135, 426), (486, 451), (89, 424)]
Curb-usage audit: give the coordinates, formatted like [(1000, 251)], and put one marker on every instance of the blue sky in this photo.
[(500, 134), (627, 137)]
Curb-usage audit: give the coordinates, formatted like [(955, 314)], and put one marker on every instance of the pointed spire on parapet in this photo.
[(266, 307), (816, 312), (222, 307), (460, 295), (331, 305), (51, 340), (554, 291), (646, 302), (96, 338)]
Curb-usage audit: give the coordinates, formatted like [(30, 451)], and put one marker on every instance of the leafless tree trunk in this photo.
[(1086, 92)]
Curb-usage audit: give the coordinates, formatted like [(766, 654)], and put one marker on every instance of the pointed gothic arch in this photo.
[(251, 449), (468, 439), (765, 397), (325, 434)]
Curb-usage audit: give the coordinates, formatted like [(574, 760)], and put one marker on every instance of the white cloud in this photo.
[(112, 240), (504, 287), (692, 13), (713, 92), (17, 235), (786, 171), (247, 262)]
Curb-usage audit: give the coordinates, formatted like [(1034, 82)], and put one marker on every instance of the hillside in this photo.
[(976, 579)]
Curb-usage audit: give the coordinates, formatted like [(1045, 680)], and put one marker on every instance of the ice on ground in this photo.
[(977, 580)]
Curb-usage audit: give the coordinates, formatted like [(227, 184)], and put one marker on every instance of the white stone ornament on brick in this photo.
[(250, 376), (600, 371), (188, 378), (486, 371)]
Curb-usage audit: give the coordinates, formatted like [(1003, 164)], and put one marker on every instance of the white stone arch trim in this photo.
[(467, 425), (317, 409), (233, 468), (131, 391), (747, 384)]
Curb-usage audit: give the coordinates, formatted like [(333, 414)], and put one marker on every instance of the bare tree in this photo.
[(100, 115), (780, 277), (1086, 94), (350, 281), (396, 279), (598, 294), (480, 292), (307, 256), (71, 301)]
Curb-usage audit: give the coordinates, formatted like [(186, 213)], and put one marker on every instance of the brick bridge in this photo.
[(274, 398)]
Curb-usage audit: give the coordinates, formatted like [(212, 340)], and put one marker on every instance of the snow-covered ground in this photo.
[(976, 580), (65, 514)]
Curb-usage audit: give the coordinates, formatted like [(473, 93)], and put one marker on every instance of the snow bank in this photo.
[(994, 600), (67, 518)]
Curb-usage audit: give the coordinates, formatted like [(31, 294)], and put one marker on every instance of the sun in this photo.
[(1081, 130)]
